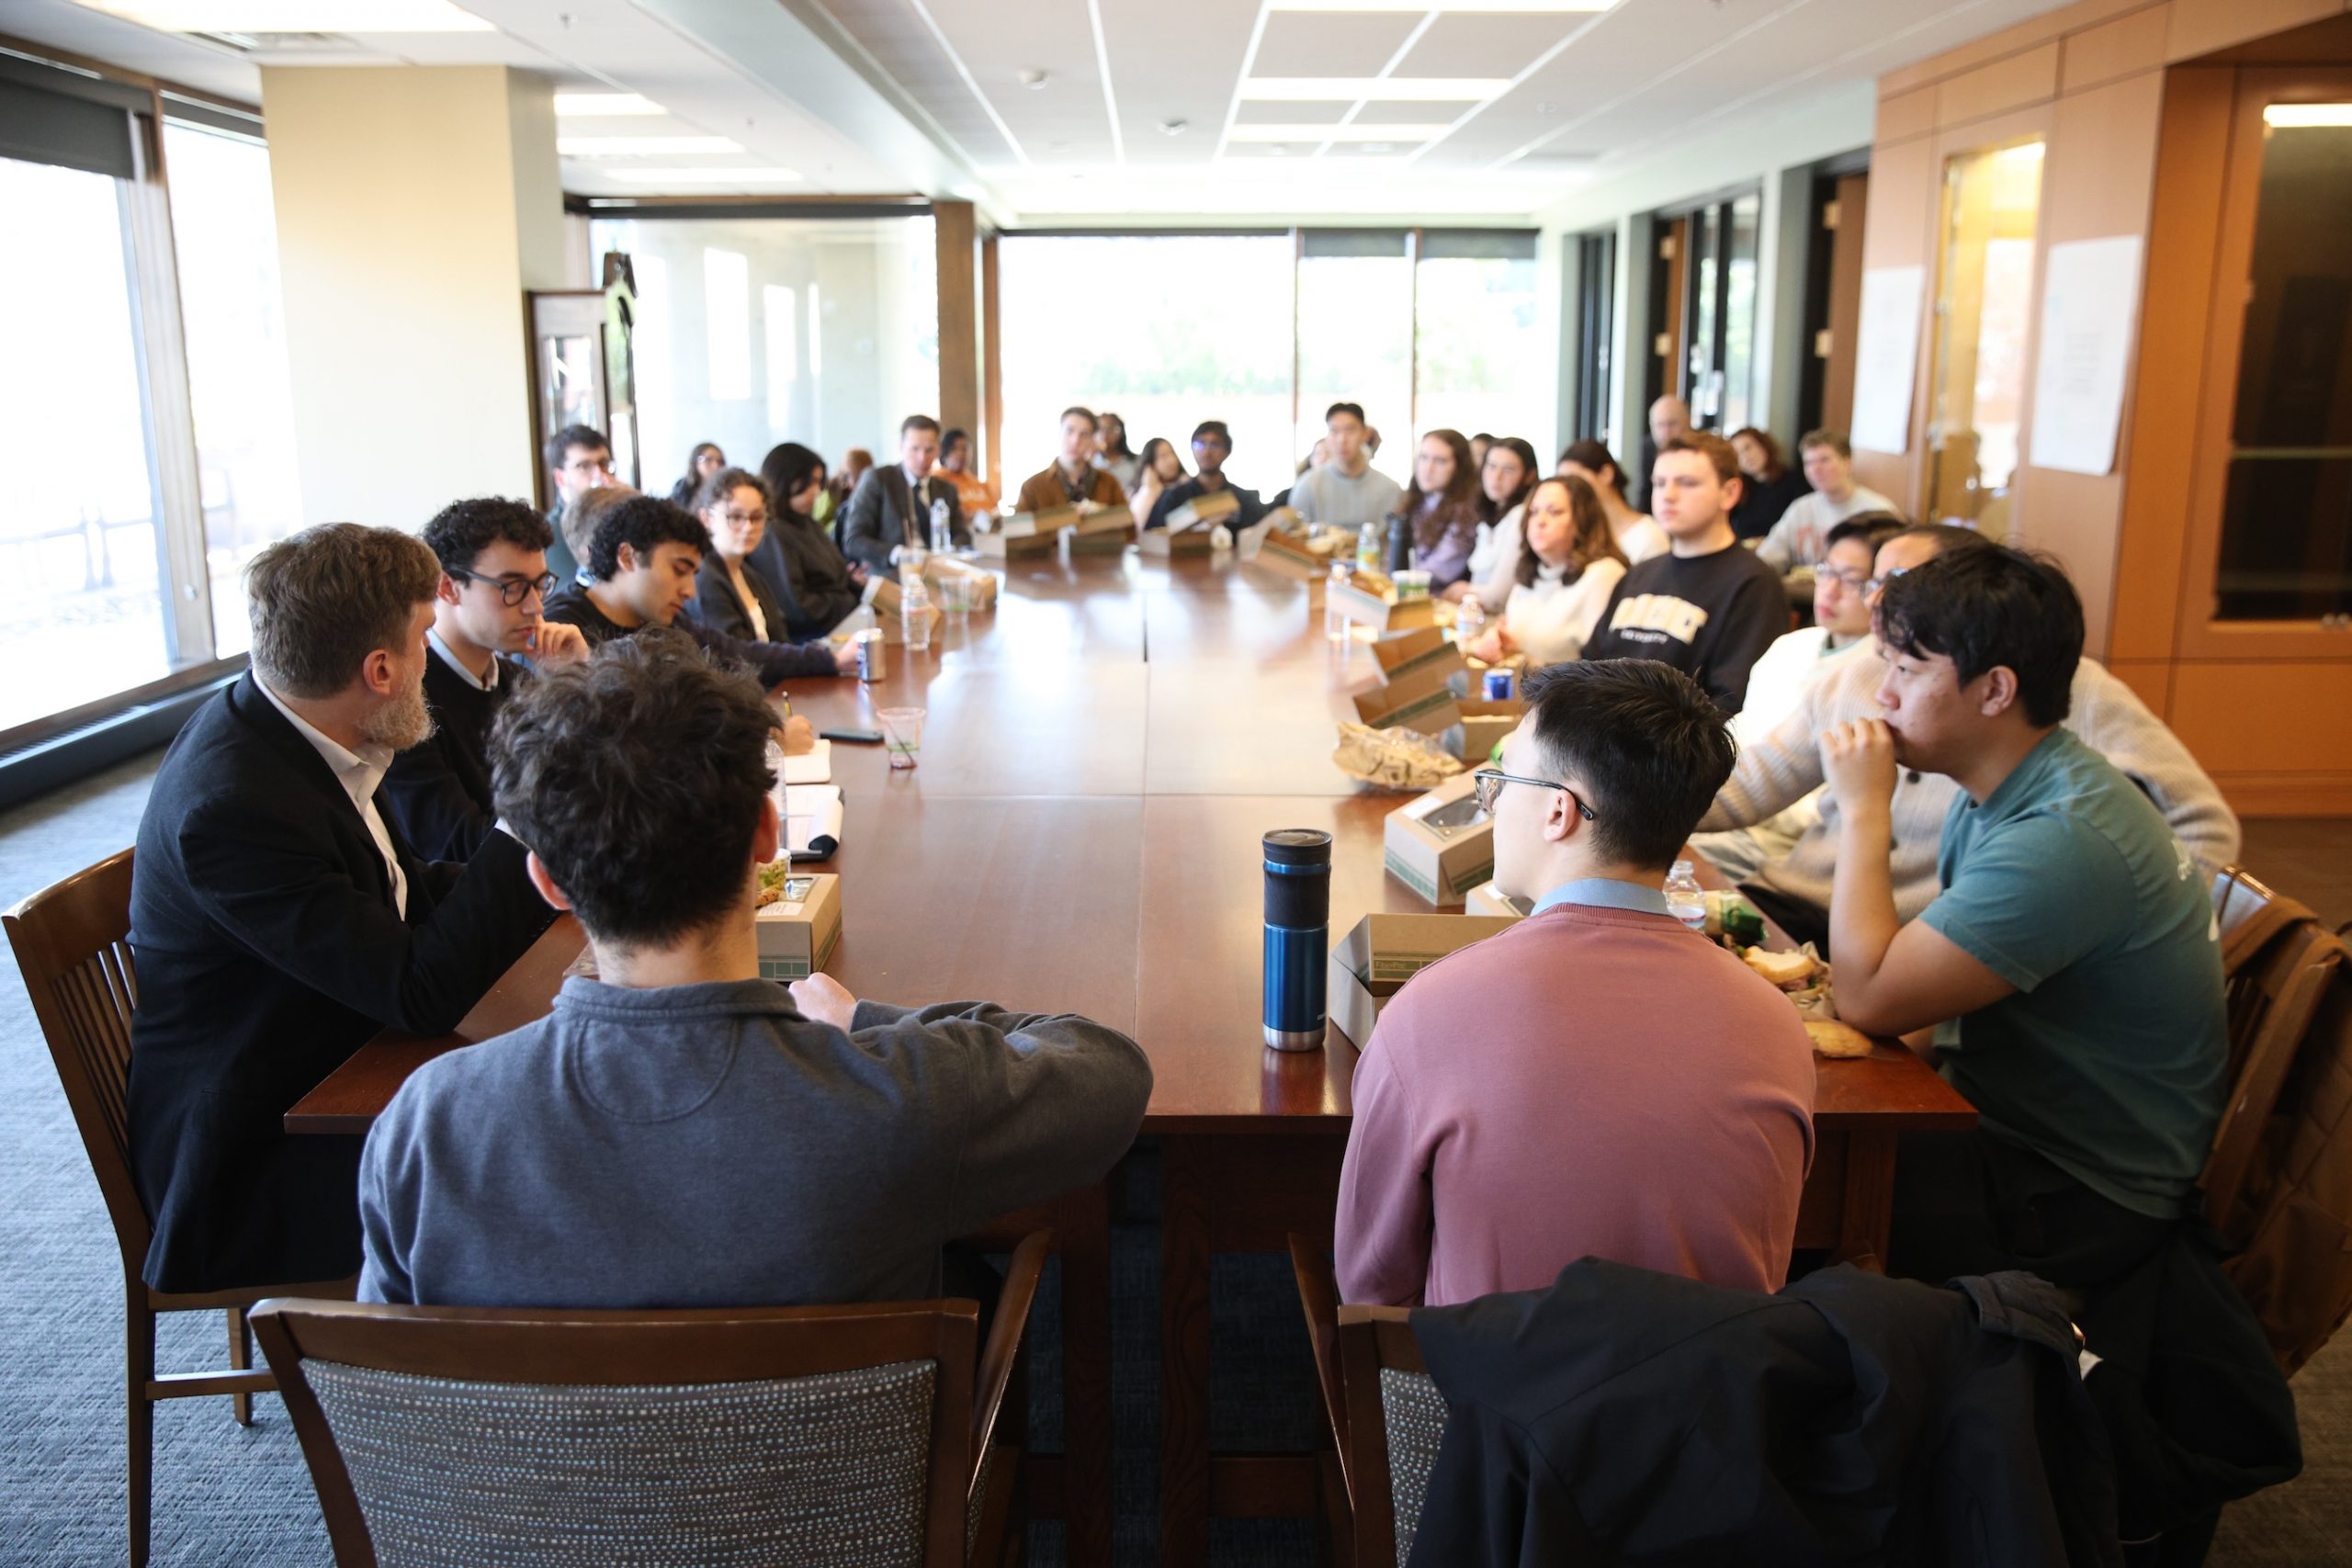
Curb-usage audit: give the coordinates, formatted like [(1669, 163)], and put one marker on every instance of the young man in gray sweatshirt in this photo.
[(679, 1132)]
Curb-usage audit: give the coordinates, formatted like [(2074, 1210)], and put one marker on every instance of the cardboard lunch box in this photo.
[(1485, 725), (1027, 533), (1161, 543), (1440, 845), (1203, 511), (891, 621), (937, 570), (1488, 899), (1429, 708), (1371, 963), (1418, 659), (797, 933), (1106, 531), (1271, 543), (1371, 601)]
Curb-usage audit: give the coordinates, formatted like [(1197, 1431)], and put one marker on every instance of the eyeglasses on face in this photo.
[(1488, 782), (513, 589), (1878, 584), (743, 519), (1860, 581)]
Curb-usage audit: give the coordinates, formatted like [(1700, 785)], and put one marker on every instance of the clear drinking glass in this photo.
[(902, 735)]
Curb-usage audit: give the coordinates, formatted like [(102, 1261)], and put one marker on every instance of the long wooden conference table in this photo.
[(1104, 750)]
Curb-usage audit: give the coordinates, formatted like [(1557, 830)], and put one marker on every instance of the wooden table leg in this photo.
[(1869, 1213), (1083, 1235), (1183, 1354)]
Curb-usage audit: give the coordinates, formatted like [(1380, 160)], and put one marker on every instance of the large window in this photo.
[(1984, 293), (226, 239), (1718, 314), (1424, 328), (754, 331), (79, 530)]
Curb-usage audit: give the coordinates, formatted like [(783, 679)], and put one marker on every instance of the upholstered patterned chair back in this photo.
[(1416, 1419)]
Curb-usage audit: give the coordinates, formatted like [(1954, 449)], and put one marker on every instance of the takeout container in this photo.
[(1162, 543), (939, 569), (1271, 544), (1026, 534), (1418, 659), (1371, 963), (1370, 600), (1106, 531), (1414, 689), (1485, 724), (1204, 511), (1488, 899), (797, 936), (1440, 845)]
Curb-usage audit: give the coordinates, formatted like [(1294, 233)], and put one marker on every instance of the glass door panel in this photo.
[(1983, 315)]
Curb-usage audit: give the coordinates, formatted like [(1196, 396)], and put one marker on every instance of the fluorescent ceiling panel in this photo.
[(1334, 132), (606, 106), (1348, 89), (641, 146), (1562, 7), (2305, 115), (294, 16)]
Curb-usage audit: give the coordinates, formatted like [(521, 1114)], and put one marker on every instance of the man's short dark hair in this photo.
[(460, 531), (1988, 607), (1873, 529), (1083, 412), (1833, 439), (642, 522), (1946, 536), (1214, 427), (1720, 454), (560, 443), (636, 777), (322, 600), (1337, 408), (918, 422), (1648, 746), (948, 440)]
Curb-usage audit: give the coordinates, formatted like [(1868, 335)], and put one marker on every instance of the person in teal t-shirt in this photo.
[(2073, 940)]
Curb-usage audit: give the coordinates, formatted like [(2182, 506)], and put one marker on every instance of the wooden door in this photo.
[(1836, 349)]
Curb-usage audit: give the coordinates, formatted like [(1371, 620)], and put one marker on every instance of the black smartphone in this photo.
[(856, 736)]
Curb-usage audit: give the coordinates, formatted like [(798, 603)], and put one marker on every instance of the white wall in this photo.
[(1737, 151), (414, 206)]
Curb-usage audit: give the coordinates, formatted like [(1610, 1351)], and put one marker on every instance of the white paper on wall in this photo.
[(2090, 289), (1886, 356)]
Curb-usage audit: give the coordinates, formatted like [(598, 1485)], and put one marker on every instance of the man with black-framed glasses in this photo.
[(1211, 445), (488, 630), (1597, 1080)]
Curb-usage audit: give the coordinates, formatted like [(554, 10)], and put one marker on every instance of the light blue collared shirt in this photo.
[(1604, 893)]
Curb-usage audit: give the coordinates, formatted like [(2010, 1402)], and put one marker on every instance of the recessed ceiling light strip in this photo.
[(1419, 28), (1103, 69), (939, 36), (1529, 69), (1233, 104)]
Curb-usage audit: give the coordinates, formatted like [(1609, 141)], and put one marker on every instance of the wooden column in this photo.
[(959, 329), (991, 369)]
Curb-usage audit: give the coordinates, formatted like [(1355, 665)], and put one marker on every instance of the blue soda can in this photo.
[(1499, 686)]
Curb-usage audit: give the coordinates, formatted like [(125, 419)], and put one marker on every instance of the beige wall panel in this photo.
[(2127, 45), (2200, 27), (2025, 35), (2008, 83), (1904, 115)]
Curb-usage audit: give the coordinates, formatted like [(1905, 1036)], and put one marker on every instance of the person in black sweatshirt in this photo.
[(641, 568), (1708, 607), (488, 633)]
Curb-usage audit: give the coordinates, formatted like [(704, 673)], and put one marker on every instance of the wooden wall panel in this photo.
[(2160, 432), (2120, 47), (959, 329), (2150, 678), (1904, 115), (2200, 27), (2009, 40), (2010, 84), (2263, 718), (1899, 230)]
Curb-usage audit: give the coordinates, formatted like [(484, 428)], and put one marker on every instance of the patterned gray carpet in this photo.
[(231, 1495)]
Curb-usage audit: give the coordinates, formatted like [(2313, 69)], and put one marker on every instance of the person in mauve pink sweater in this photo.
[(1598, 1080)]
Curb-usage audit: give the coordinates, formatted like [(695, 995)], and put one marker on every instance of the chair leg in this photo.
[(240, 1359), (139, 1362)]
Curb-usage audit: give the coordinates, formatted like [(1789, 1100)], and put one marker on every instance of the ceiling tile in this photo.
[(1379, 112), (1267, 112), (1472, 43), (1331, 43)]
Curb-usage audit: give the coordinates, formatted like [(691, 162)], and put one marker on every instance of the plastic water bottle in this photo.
[(915, 613), (943, 536), (1368, 547), (1334, 625), (1685, 899), (1469, 619)]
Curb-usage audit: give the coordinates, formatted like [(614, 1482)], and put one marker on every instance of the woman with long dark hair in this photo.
[(1156, 469), (1636, 533), (1505, 479), (1441, 505), (1562, 581), (703, 461), (1771, 483), (819, 585), (1111, 453)]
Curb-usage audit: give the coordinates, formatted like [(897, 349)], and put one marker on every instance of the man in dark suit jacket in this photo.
[(279, 920), (486, 622), (891, 509)]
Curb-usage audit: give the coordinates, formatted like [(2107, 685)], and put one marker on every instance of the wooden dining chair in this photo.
[(1319, 1297), (1394, 1418), (2273, 998), (71, 944), (2251, 915), (444, 1436)]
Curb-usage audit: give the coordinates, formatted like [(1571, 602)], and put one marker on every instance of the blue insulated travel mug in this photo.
[(1298, 936)]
